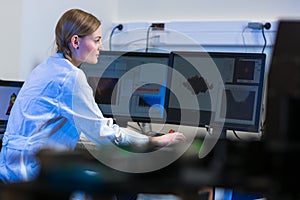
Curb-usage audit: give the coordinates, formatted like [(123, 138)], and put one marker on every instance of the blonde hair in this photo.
[(73, 22)]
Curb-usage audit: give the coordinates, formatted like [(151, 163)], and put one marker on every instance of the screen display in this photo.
[(130, 85), (8, 94), (209, 89)]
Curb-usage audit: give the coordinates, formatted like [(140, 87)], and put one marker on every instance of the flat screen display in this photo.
[(8, 93), (130, 86), (213, 88)]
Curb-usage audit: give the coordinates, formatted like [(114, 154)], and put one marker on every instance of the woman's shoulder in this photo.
[(59, 60)]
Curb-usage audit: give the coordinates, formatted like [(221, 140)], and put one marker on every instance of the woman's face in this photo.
[(88, 48)]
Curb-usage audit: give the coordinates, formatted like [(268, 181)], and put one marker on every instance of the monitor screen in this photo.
[(8, 93), (216, 88), (130, 86)]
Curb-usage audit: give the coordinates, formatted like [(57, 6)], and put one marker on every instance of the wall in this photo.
[(38, 24), (10, 21), (136, 10), (235, 14), (30, 23)]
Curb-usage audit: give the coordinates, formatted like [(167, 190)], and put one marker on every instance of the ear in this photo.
[(75, 41)]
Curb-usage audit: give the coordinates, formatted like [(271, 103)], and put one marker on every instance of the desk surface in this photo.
[(247, 166)]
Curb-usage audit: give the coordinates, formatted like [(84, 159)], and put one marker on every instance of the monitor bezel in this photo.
[(173, 115), (121, 119), (8, 83)]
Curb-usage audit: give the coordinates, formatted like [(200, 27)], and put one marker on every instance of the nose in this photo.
[(100, 47)]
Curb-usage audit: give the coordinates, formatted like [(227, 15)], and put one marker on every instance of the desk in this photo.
[(66, 172), (243, 166)]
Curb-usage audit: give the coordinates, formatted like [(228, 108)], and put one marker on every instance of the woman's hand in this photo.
[(167, 139)]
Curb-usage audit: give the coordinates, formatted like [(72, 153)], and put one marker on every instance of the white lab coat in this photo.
[(53, 107)]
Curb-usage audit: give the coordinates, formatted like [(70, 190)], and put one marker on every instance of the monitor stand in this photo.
[(216, 131), (121, 122), (223, 134)]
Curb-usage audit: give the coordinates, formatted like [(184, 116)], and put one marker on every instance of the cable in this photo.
[(258, 25), (208, 129), (243, 37), (133, 42), (147, 38), (265, 26), (143, 125), (119, 27), (139, 124), (236, 135), (265, 41)]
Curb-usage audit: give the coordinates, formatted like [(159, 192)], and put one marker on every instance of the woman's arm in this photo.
[(167, 139)]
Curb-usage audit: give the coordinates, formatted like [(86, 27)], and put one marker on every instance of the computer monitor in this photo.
[(8, 93), (216, 89), (130, 86)]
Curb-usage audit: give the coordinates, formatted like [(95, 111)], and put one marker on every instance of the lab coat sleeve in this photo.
[(88, 119)]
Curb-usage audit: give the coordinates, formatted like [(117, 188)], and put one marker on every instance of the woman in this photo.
[(56, 103)]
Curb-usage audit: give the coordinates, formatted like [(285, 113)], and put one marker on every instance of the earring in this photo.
[(77, 47)]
